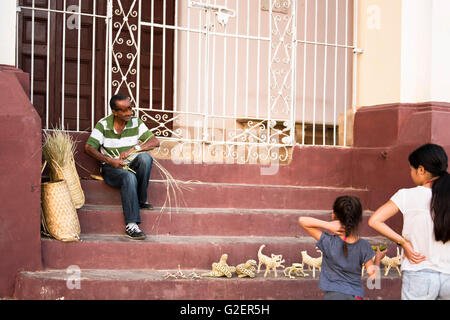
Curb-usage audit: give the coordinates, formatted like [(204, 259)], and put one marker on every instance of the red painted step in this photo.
[(216, 195), (206, 221), (150, 284), (167, 252), (310, 166)]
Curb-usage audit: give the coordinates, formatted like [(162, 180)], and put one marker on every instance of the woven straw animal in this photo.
[(272, 263), (246, 269), (221, 268), (312, 262), (393, 262), (364, 268), (297, 268)]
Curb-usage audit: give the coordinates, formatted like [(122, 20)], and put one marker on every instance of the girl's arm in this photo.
[(377, 222), (313, 226), (373, 265)]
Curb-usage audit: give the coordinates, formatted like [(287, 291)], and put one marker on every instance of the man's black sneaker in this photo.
[(146, 206), (135, 233)]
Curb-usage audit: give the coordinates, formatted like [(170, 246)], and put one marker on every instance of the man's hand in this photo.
[(116, 163), (124, 155)]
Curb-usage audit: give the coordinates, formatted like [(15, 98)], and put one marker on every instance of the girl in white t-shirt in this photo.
[(426, 225)]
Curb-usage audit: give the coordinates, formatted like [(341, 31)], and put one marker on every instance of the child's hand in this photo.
[(380, 254), (336, 227)]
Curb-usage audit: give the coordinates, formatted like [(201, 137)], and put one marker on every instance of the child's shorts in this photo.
[(425, 285), (333, 295)]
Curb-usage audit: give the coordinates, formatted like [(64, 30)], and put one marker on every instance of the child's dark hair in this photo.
[(434, 160), (348, 210)]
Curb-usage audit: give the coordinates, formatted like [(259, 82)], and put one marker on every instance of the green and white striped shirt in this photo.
[(105, 137)]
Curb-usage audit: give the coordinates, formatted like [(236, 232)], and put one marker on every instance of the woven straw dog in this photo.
[(70, 175), (60, 216)]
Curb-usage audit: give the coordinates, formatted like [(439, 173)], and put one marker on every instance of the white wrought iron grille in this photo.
[(238, 79)]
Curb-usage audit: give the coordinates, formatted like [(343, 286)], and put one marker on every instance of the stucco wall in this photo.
[(20, 185)]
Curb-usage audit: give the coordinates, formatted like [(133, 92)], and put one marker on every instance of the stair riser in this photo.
[(164, 256), (205, 223), (220, 289), (326, 166), (228, 196)]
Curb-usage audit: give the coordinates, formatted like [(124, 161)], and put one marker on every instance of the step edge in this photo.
[(101, 238), (203, 210), (201, 183)]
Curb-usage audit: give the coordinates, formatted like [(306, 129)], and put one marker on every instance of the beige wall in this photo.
[(8, 32), (406, 51), (379, 67)]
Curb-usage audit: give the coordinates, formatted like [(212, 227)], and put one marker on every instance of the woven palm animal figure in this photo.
[(221, 268), (312, 262), (272, 263), (364, 268), (246, 269), (393, 262), (297, 268)]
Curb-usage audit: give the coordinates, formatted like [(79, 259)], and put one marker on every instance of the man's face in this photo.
[(125, 111)]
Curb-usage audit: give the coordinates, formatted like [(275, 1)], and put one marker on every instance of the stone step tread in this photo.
[(175, 210), (159, 275), (190, 183), (96, 219), (99, 284), (200, 239), (221, 195), (107, 251)]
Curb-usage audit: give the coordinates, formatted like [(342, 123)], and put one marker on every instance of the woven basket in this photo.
[(70, 175), (60, 216)]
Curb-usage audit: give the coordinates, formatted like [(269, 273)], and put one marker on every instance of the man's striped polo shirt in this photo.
[(105, 137)]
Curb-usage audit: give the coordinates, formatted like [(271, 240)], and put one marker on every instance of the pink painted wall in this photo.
[(20, 183)]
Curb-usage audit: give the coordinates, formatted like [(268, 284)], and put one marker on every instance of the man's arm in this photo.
[(94, 153), (146, 146), (150, 144)]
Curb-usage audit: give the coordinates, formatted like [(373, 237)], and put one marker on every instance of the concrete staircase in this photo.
[(223, 211)]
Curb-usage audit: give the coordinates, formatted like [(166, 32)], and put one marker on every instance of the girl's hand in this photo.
[(413, 256), (380, 254), (336, 227)]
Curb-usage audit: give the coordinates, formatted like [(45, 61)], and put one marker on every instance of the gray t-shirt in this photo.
[(339, 273)]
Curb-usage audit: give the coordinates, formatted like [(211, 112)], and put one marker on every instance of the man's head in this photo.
[(121, 107)]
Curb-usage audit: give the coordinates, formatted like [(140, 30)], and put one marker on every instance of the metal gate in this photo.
[(241, 80)]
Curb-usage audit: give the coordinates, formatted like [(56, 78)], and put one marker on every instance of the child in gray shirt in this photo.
[(344, 252)]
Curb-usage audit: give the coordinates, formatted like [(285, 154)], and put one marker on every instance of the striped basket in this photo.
[(70, 175), (59, 219)]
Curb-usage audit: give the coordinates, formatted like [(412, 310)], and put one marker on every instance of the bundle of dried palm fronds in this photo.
[(59, 150)]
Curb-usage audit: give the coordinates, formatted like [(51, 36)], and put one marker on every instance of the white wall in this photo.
[(8, 32), (416, 51), (440, 57), (425, 51)]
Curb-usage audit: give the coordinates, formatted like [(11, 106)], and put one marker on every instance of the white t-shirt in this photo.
[(414, 203)]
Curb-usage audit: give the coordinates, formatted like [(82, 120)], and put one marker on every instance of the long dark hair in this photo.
[(348, 210), (434, 160)]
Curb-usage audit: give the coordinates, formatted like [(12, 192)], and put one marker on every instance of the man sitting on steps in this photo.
[(117, 137)]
